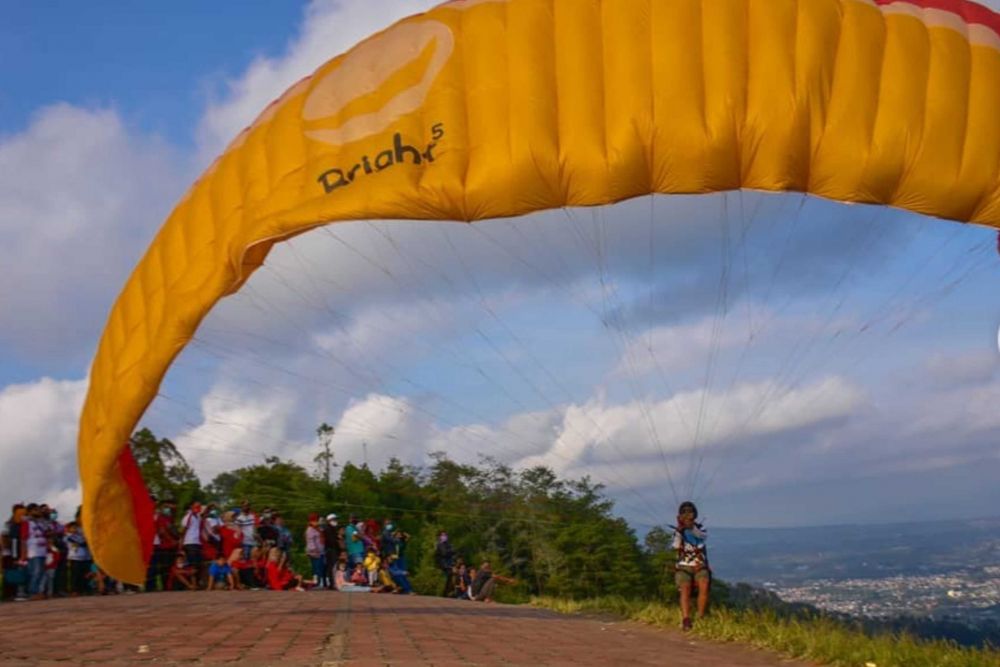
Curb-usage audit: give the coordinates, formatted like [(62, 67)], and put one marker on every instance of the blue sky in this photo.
[(102, 54), (850, 372)]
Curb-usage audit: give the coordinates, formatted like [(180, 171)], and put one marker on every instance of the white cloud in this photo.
[(80, 197), (81, 194), (329, 29), (377, 428), (602, 435), (239, 428), (963, 368), (394, 330), (38, 443), (955, 414)]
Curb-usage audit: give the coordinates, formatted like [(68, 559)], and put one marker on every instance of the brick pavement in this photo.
[(258, 628)]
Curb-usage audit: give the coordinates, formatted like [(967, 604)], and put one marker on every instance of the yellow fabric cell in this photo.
[(488, 108)]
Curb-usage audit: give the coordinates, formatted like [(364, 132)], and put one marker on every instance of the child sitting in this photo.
[(385, 584), (181, 576), (399, 574), (279, 577), (371, 564), (343, 582), (220, 574), (462, 581), (358, 577)]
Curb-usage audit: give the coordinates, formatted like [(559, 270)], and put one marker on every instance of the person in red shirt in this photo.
[(279, 576), (181, 576), (259, 558), (211, 535), (232, 536), (165, 545), (242, 569), (373, 535)]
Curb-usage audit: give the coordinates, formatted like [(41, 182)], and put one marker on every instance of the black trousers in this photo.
[(449, 582), (159, 568), (59, 585), (78, 570)]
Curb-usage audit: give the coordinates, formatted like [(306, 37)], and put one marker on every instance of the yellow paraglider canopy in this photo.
[(492, 108)]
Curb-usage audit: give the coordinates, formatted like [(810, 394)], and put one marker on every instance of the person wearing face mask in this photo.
[(388, 541), (165, 543), (211, 533), (331, 548)]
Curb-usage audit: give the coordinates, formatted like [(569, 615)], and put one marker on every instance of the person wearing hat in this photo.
[(331, 547), (692, 561)]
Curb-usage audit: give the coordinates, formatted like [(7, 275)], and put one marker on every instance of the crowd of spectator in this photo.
[(205, 549), (236, 548)]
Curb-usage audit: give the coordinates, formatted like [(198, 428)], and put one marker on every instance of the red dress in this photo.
[(232, 539), (278, 578)]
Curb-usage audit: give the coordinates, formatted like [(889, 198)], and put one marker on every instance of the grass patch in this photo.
[(811, 637)]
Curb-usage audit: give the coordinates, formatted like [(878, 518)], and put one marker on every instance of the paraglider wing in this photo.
[(492, 108)]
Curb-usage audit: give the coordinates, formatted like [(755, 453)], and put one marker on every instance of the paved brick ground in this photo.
[(335, 629)]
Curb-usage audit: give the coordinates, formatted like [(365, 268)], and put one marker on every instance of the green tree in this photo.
[(662, 557), (358, 491), (164, 469), (284, 486), (555, 536), (324, 460)]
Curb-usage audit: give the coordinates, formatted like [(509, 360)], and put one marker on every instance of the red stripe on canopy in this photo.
[(970, 12), (142, 505)]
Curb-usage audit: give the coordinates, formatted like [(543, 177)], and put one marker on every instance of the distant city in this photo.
[(938, 572)]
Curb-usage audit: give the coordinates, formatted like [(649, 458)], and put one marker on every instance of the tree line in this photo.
[(556, 537)]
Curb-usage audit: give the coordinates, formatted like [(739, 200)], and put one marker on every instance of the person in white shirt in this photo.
[(212, 531), (191, 527), (79, 559), (36, 550), (247, 523)]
